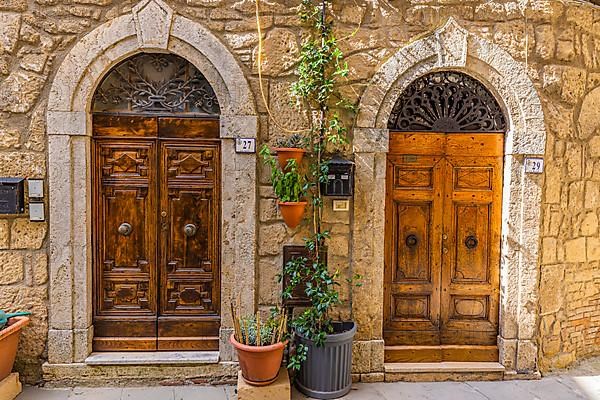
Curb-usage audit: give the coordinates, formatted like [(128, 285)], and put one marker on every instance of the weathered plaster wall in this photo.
[(558, 40)]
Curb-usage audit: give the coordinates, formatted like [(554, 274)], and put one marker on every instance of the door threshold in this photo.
[(153, 358), (444, 366)]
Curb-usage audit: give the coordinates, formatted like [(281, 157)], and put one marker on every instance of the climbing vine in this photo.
[(320, 70)]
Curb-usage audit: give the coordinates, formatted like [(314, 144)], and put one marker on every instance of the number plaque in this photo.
[(245, 145), (534, 165)]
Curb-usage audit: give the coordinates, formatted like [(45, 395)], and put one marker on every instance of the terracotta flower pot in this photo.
[(9, 341), (286, 153), (292, 212), (259, 364)]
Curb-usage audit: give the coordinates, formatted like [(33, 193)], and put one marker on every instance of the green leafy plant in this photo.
[(320, 68), (289, 185)]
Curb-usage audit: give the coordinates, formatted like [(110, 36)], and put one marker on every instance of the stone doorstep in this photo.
[(278, 390), (10, 387), (443, 371), (444, 367), (149, 374), (153, 358)]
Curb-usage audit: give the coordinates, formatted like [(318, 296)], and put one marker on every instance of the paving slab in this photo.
[(82, 393), (200, 393), (550, 389), (35, 393), (149, 393)]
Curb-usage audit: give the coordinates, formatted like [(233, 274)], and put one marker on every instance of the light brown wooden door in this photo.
[(443, 221), (156, 233)]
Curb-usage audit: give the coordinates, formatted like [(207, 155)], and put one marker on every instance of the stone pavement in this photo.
[(551, 388), (578, 384)]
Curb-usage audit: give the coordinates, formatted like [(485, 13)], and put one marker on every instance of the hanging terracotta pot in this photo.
[(292, 212), (286, 153), (259, 364), (9, 341)]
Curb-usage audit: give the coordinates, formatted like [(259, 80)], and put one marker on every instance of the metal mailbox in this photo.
[(340, 178), (12, 198)]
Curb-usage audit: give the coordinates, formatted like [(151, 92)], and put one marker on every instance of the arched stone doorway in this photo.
[(453, 48), (443, 219), (156, 205), (151, 27)]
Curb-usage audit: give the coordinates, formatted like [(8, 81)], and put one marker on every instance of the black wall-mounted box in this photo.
[(340, 178), (12, 196)]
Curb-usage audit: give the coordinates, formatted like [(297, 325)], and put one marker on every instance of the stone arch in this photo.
[(451, 47), (151, 27)]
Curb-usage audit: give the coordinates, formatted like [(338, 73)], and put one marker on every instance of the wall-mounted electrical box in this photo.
[(11, 196), (36, 212), (35, 188)]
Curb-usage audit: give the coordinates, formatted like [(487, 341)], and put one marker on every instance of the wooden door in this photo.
[(443, 224), (156, 233), (189, 293)]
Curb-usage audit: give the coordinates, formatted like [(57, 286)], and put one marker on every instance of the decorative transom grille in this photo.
[(447, 101), (155, 83)]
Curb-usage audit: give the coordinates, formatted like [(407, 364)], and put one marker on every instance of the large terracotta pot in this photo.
[(292, 212), (259, 364), (286, 153), (9, 341)]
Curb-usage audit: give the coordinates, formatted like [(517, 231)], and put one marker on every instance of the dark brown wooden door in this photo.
[(156, 233), (443, 225)]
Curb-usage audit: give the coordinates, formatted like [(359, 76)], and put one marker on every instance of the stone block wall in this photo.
[(559, 41)]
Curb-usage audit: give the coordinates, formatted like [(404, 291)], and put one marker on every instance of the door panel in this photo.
[(189, 295), (125, 278), (442, 246), (156, 232), (413, 261), (470, 278)]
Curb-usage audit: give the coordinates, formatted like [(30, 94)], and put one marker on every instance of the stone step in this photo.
[(10, 387), (153, 358), (278, 390), (443, 371)]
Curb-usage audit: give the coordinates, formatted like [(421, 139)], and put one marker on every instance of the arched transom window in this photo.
[(156, 83), (447, 101)]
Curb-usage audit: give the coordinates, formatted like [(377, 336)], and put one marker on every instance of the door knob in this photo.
[(190, 230), (411, 240), (471, 242), (125, 229)]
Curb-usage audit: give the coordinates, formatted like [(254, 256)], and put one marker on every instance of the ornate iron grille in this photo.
[(447, 101), (155, 83)]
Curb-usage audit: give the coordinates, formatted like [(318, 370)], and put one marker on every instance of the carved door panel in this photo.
[(156, 234), (472, 225), (189, 282), (125, 278), (442, 247), (412, 273)]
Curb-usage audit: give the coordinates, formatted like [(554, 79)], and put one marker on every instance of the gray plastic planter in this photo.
[(326, 373)]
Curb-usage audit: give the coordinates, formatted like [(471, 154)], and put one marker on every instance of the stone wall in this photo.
[(559, 41)]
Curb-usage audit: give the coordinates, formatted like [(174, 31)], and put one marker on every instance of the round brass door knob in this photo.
[(125, 229), (190, 230)]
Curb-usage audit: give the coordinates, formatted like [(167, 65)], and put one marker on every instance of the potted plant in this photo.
[(10, 331), (259, 345), (290, 147), (290, 188)]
